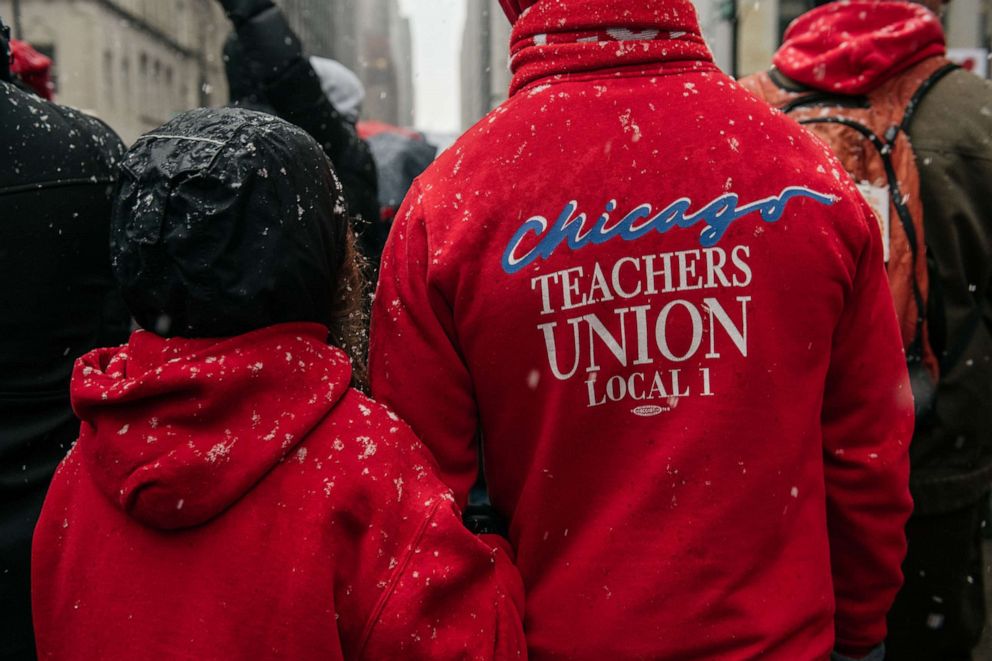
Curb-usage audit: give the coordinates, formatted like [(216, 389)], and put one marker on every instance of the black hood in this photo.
[(226, 221)]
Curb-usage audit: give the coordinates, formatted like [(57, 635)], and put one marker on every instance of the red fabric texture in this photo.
[(699, 436), (853, 47), (32, 67), (235, 499), (591, 40), (370, 128)]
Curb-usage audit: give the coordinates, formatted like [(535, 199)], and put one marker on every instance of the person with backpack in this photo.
[(58, 301), (232, 495), (663, 311), (872, 80)]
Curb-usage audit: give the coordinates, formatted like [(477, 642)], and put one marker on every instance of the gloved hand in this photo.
[(240, 11)]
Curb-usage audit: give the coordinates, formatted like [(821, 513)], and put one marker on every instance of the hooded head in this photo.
[(514, 8), (227, 221), (854, 46), (341, 86)]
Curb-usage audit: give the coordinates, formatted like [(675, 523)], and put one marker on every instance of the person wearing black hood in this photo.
[(58, 301), (231, 495), (267, 71)]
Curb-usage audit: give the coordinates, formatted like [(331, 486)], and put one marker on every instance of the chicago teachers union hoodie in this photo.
[(663, 307), (235, 499)]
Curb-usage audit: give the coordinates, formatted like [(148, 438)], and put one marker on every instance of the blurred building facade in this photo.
[(485, 68), (133, 63), (370, 37), (136, 63), (742, 34)]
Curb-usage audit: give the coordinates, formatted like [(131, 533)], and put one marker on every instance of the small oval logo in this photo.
[(648, 411)]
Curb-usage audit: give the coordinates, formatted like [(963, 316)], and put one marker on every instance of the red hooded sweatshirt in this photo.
[(853, 47), (664, 306), (234, 499)]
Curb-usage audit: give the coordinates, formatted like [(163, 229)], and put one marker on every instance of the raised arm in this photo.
[(274, 59)]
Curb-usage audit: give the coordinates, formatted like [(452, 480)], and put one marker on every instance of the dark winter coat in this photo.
[(952, 458), (58, 301), (267, 69)]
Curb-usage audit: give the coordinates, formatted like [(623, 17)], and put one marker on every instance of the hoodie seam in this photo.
[(398, 572)]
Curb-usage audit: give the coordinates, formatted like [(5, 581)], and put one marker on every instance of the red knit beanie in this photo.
[(514, 8)]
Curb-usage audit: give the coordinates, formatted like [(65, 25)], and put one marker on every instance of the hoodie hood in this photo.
[(175, 431), (853, 47)]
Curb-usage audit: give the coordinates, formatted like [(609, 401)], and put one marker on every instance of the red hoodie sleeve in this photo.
[(867, 427), (452, 597), (414, 364)]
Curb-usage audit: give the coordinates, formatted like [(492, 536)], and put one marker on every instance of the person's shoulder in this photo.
[(102, 136), (64, 133), (374, 456), (965, 86), (955, 116)]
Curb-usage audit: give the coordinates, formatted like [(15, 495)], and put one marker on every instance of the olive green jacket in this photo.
[(951, 134)]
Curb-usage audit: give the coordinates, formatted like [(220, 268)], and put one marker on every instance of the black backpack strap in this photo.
[(810, 97), (921, 92), (914, 352), (884, 146), (827, 100)]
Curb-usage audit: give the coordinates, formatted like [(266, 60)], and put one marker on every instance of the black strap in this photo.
[(914, 352), (884, 146), (922, 91), (826, 99)]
